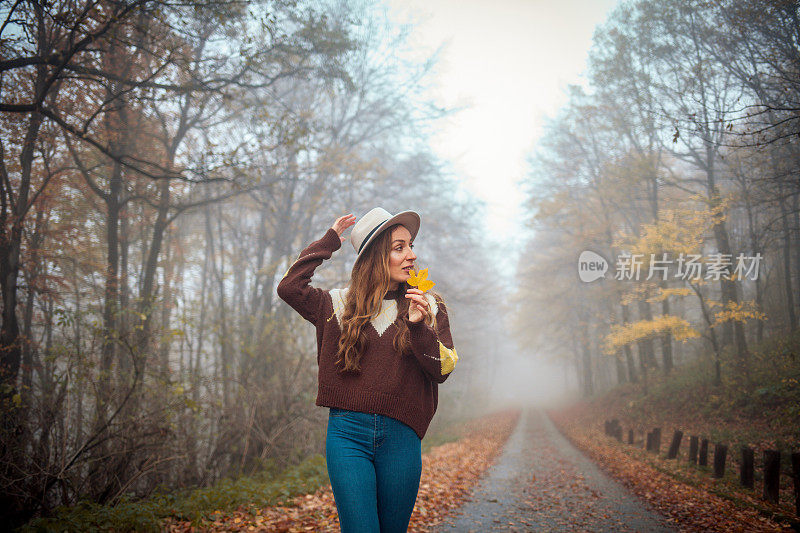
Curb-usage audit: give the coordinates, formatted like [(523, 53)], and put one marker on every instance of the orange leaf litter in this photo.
[(692, 508), (449, 472)]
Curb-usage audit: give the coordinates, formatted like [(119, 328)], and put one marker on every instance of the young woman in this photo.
[(383, 347)]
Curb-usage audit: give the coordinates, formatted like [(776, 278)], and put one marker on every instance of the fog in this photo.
[(161, 174)]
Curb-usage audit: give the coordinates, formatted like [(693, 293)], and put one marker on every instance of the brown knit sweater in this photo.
[(401, 386)]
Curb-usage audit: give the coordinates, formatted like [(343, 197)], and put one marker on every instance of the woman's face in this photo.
[(401, 256)]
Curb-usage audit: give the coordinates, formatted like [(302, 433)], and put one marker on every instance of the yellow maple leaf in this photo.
[(420, 280)]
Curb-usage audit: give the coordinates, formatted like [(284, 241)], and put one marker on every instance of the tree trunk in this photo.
[(166, 312), (796, 232), (646, 345), (629, 361), (77, 428), (586, 362), (146, 297), (730, 331), (787, 261), (124, 321), (755, 246), (10, 247), (110, 304), (666, 342), (27, 326)]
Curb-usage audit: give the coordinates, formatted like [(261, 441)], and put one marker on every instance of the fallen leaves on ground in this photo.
[(695, 508), (449, 472)]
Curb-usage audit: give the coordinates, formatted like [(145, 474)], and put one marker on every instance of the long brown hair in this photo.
[(369, 282)]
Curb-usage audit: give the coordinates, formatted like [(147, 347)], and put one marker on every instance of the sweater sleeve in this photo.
[(433, 348), (295, 286)]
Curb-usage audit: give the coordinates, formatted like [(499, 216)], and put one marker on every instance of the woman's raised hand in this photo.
[(342, 223), (417, 306)]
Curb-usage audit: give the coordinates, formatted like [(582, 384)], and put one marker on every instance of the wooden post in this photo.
[(630, 436), (772, 473), (657, 440), (720, 453), (796, 473), (613, 429), (677, 437), (703, 461), (747, 473), (693, 441)]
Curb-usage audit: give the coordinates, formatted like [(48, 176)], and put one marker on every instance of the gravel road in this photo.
[(541, 482)]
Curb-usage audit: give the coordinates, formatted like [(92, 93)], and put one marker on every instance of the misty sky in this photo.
[(510, 60)]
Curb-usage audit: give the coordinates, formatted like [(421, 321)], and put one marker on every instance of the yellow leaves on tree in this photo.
[(680, 230), (663, 293), (622, 335), (737, 311), (420, 280), (637, 292)]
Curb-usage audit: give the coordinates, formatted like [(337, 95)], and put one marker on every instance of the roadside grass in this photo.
[(448, 430), (259, 490)]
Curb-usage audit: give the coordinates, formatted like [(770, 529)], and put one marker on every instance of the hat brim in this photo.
[(409, 219)]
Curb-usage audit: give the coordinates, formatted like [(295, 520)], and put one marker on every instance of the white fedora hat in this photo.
[(375, 221)]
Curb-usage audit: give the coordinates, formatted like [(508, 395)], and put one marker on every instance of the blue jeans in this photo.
[(374, 464)]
